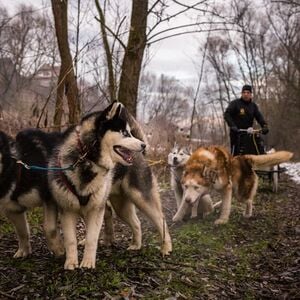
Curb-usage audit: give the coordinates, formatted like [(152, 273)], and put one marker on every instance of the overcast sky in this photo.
[(173, 57)]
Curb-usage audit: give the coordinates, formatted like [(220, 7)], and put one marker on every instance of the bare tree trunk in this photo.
[(132, 62), (59, 101), (67, 80), (108, 53)]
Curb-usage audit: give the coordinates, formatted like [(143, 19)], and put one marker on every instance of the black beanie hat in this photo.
[(247, 87)]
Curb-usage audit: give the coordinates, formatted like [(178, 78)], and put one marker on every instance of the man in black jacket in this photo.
[(240, 114)]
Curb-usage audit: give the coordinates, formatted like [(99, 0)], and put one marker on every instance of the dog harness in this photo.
[(83, 200), (83, 150)]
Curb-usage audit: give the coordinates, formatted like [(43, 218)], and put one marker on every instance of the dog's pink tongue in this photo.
[(127, 155)]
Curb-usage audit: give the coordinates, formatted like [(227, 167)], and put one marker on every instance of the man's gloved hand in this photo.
[(265, 129), (234, 129), (250, 130)]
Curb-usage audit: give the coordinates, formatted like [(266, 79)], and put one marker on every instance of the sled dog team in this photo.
[(213, 168), (100, 164)]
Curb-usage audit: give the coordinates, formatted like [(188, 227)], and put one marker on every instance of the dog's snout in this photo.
[(175, 159), (188, 200), (143, 146)]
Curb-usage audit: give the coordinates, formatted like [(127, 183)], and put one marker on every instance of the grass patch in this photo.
[(238, 260)]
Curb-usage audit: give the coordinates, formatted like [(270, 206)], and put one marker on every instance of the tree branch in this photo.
[(113, 34), (112, 89)]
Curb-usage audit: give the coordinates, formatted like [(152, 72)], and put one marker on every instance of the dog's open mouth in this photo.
[(175, 162), (125, 153)]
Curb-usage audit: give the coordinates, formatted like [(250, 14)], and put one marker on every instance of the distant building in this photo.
[(29, 96), (25, 96), (46, 75)]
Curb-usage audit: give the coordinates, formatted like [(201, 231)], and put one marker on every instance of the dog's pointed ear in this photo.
[(114, 110), (176, 146), (188, 149)]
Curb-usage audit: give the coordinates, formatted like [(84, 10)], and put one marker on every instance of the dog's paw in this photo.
[(59, 250), (176, 219), (81, 243), (71, 264), (221, 221), (217, 204), (88, 263), (247, 216), (133, 247), (194, 215), (22, 252), (108, 242), (166, 249)]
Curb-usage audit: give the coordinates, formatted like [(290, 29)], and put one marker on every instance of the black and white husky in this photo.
[(91, 151), (22, 189), (74, 174), (136, 186), (177, 159)]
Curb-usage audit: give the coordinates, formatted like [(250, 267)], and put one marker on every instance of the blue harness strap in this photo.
[(39, 168)]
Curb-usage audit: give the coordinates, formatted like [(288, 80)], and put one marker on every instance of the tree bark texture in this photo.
[(133, 58), (66, 82)]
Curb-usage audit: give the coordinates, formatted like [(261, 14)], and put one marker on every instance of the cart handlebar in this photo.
[(250, 130)]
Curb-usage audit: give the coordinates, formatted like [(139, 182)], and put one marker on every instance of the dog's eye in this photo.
[(125, 133)]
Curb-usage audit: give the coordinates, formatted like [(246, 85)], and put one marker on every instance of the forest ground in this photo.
[(257, 258)]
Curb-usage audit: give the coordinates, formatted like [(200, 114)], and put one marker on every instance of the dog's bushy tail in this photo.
[(267, 160)]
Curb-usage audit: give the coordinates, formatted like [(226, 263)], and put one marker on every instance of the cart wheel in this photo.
[(275, 178)]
